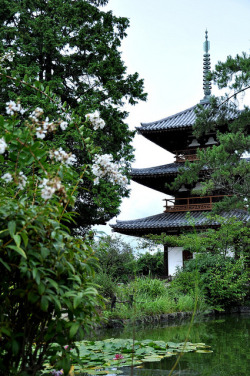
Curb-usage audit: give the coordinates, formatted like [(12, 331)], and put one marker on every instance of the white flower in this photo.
[(7, 56), (36, 114), (40, 132), (96, 121), (3, 145), (12, 107), (49, 187), (71, 159), (47, 192), (63, 125), (22, 180), (104, 167), (61, 156), (7, 177)]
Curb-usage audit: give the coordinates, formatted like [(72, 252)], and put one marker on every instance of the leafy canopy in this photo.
[(74, 47)]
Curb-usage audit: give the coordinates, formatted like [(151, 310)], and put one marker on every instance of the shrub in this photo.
[(106, 286), (150, 264), (116, 258), (224, 279), (186, 282)]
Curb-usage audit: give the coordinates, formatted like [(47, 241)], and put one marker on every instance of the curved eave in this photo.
[(156, 177), (181, 120), (173, 222), (171, 132)]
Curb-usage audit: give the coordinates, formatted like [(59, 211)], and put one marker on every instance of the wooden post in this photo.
[(165, 260)]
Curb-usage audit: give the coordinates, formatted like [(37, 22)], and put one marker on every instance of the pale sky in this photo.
[(165, 46)]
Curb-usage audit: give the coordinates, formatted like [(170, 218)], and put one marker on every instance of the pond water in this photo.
[(228, 337)]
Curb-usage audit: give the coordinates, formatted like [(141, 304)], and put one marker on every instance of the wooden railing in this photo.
[(192, 203), (186, 157)]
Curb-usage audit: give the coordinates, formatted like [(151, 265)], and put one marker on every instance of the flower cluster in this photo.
[(12, 107), (95, 120), (49, 187), (104, 167), (7, 177), (3, 145), (7, 56), (45, 126), (56, 373), (61, 156), (22, 180), (118, 357)]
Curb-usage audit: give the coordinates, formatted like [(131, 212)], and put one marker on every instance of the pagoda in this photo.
[(175, 134)]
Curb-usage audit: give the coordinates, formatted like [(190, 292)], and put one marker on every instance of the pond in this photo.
[(227, 335)]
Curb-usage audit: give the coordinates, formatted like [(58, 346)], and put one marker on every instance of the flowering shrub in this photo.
[(46, 292)]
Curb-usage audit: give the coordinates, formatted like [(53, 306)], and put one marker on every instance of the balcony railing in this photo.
[(191, 203), (185, 155)]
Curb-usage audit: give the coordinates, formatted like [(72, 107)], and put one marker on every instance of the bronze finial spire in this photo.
[(206, 70)]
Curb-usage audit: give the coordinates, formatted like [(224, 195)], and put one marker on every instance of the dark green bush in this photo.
[(150, 264), (186, 282), (106, 286), (224, 279), (116, 258)]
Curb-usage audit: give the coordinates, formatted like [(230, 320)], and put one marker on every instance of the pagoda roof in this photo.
[(152, 176), (156, 177), (183, 119), (171, 168), (166, 222)]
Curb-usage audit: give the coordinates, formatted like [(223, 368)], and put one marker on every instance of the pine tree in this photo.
[(73, 47)]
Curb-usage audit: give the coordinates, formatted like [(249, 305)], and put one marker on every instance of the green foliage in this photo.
[(186, 282), (101, 357), (74, 48), (231, 235), (116, 258), (223, 279), (46, 292), (148, 287), (45, 276), (150, 264), (106, 285)]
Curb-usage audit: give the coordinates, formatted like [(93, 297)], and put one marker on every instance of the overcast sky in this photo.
[(165, 46)]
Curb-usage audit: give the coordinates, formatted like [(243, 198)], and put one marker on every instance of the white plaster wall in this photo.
[(174, 259)]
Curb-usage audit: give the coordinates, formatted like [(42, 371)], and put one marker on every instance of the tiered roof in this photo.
[(173, 222)]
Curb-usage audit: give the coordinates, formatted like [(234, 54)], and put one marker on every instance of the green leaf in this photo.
[(41, 288), (12, 228), (5, 264), (17, 239), (25, 238), (53, 283), (74, 329), (77, 300), (18, 250), (44, 303)]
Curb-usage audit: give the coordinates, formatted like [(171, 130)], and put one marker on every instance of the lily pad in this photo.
[(99, 357)]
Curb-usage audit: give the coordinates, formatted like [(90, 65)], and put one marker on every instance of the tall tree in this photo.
[(73, 46), (225, 166)]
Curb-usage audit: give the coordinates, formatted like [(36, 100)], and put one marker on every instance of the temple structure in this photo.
[(175, 134)]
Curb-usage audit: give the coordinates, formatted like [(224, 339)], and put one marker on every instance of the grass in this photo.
[(151, 297)]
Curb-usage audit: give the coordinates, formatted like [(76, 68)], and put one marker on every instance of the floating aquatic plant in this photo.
[(105, 357)]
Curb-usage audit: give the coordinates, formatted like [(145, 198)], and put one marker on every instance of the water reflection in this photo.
[(227, 335)]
